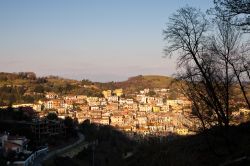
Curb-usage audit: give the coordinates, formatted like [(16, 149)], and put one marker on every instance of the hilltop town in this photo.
[(52, 116), (148, 112)]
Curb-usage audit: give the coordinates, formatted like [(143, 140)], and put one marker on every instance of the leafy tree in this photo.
[(3, 78), (68, 122), (11, 99), (28, 99), (86, 82), (69, 125), (52, 116), (41, 80), (151, 93), (39, 89), (89, 130)]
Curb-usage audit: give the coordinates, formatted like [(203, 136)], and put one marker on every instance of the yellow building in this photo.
[(118, 92), (182, 131), (107, 93), (156, 109), (245, 112)]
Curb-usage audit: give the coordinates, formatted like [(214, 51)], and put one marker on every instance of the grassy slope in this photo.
[(13, 79), (68, 86), (149, 81)]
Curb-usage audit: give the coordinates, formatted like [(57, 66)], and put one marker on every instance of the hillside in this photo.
[(213, 147), (140, 82), (148, 81), (26, 87)]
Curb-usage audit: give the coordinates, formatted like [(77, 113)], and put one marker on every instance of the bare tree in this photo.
[(227, 45), (212, 63), (238, 9), (207, 63)]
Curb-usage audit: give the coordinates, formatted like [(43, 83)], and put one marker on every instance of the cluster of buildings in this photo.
[(142, 113), (148, 112), (16, 149), (243, 115)]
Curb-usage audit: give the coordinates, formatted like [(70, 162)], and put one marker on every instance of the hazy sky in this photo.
[(101, 40)]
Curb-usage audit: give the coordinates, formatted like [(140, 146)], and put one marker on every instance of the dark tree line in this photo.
[(12, 94)]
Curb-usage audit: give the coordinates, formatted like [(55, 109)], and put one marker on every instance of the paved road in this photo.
[(38, 161), (59, 151)]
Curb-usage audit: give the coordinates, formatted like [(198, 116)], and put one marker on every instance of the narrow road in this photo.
[(39, 160)]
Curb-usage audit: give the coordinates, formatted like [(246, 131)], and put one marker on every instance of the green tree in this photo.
[(39, 89), (70, 126), (69, 122), (151, 93), (52, 116)]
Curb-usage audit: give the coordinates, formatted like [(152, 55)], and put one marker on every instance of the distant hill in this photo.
[(29, 78), (147, 81), (27, 87), (140, 82)]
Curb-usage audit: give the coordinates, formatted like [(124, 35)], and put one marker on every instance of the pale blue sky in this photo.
[(101, 40)]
